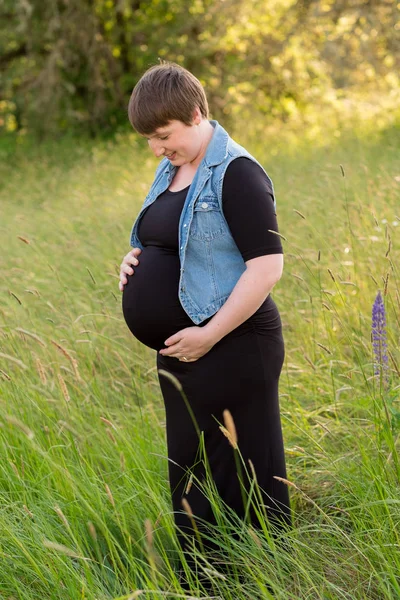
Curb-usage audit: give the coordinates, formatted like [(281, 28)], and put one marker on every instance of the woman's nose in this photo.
[(156, 148)]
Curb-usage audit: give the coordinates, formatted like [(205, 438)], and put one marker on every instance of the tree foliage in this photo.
[(73, 63)]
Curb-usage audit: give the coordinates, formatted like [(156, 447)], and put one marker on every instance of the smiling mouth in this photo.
[(170, 155)]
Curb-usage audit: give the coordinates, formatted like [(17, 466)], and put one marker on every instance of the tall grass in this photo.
[(85, 510)]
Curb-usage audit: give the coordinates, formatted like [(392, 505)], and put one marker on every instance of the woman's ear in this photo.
[(197, 117)]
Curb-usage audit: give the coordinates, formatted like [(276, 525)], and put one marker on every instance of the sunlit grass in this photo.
[(85, 510)]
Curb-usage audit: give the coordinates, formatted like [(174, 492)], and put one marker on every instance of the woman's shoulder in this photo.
[(244, 170)]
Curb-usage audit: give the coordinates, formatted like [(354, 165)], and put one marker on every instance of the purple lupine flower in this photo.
[(379, 338)]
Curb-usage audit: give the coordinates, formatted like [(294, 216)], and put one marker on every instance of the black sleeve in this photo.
[(249, 209)]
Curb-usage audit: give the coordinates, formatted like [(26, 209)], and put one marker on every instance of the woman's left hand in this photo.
[(189, 344)]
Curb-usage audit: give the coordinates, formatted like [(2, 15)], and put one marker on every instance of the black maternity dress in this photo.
[(239, 373)]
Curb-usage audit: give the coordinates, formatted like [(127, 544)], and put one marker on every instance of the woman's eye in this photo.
[(164, 138)]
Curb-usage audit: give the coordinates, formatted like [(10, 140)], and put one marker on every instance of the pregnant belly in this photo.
[(150, 302)]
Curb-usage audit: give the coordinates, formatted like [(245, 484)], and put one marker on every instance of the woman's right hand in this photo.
[(126, 267)]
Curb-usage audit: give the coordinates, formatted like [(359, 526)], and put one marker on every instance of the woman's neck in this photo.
[(206, 131)]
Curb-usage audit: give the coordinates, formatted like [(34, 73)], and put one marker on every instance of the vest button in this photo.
[(204, 205)]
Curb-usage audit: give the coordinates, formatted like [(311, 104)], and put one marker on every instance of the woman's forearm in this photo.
[(249, 293)]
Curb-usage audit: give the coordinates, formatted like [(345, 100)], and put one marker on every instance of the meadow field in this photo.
[(84, 501)]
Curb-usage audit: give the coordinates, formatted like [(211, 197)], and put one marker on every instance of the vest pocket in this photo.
[(208, 221)]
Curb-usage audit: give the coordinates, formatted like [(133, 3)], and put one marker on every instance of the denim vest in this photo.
[(211, 263)]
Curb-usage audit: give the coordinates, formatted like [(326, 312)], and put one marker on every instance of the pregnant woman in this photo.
[(196, 288)]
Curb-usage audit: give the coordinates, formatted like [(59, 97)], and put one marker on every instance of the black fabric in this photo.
[(240, 373), (249, 209), (151, 306)]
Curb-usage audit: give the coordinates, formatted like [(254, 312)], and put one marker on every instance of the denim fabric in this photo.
[(211, 263)]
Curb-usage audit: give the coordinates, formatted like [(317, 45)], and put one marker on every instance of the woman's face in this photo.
[(180, 143)]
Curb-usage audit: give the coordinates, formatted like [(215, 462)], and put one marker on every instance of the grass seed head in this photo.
[(28, 512), (14, 468), (41, 371), (189, 484), (286, 482), (110, 496), (187, 508), (63, 387), (122, 461), (149, 533), (110, 435), (230, 429), (23, 239), (255, 537), (4, 374), (62, 516), (92, 531)]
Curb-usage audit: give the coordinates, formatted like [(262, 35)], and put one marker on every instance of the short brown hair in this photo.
[(164, 93)]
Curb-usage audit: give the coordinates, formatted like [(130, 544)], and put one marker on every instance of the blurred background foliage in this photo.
[(71, 64)]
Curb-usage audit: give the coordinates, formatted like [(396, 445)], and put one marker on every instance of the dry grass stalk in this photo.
[(123, 363), (189, 484), (28, 512), (41, 371), (110, 435), (35, 337), (154, 414), (122, 461), (135, 595), (34, 292), (394, 363), (14, 421), (339, 509), (286, 482), (187, 508), (324, 348), (63, 387), (72, 360), (13, 359), (308, 359), (64, 425), (175, 382), (23, 239), (149, 533), (230, 429), (255, 537), (62, 549), (252, 469), (14, 468), (110, 496), (158, 519), (4, 374), (91, 275), (62, 516), (108, 422), (385, 287), (62, 350), (278, 234), (92, 531), (299, 213), (15, 296)]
